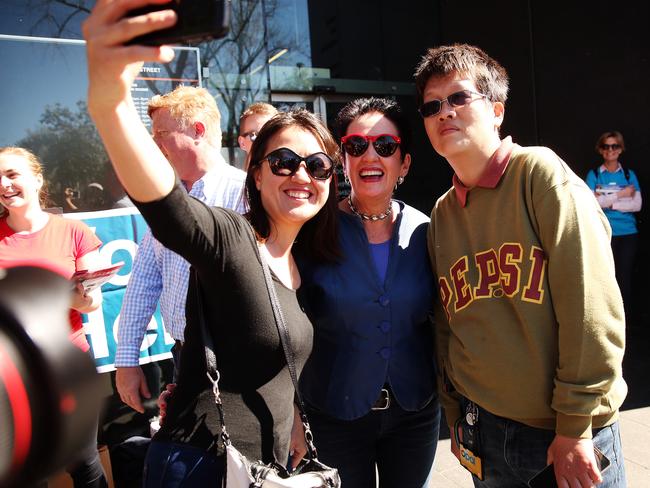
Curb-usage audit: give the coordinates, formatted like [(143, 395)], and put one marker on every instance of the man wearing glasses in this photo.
[(250, 122), (530, 323)]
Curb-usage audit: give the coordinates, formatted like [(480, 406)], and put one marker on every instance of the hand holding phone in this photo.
[(198, 20), (546, 477)]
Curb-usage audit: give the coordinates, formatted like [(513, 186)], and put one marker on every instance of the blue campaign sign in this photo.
[(120, 231)]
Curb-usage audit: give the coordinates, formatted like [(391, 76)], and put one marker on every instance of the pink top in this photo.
[(60, 243)]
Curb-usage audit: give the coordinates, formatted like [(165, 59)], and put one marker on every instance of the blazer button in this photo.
[(384, 352)]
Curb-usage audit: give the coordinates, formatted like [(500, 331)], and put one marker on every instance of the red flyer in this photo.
[(96, 278)]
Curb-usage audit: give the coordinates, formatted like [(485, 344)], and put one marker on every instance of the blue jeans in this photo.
[(513, 453), (400, 444), (173, 465)]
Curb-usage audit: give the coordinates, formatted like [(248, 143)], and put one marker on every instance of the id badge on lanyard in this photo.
[(466, 432)]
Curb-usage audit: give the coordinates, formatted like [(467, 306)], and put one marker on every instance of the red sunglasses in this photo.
[(356, 144)]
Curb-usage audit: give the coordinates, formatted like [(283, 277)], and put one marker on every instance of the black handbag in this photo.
[(240, 472)]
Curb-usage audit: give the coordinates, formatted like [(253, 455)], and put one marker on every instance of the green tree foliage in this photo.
[(69, 146)]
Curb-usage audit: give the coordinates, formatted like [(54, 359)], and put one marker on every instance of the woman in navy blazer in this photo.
[(370, 382)]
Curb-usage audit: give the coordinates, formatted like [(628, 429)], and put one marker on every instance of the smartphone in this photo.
[(546, 477), (198, 20)]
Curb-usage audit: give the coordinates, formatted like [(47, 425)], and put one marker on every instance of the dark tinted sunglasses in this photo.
[(356, 144), (457, 99), (613, 147), (285, 162)]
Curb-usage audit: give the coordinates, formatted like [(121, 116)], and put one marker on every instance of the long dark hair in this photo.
[(318, 237)]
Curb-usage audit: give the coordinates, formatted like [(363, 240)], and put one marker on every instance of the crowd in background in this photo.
[(512, 273)]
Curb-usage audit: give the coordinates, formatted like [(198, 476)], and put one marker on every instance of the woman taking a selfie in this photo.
[(28, 232), (370, 383), (291, 192)]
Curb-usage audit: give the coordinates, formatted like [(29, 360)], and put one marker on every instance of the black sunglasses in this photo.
[(356, 144), (457, 99), (613, 147), (285, 162)]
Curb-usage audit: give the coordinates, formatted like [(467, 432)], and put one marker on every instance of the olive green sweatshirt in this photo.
[(530, 318)]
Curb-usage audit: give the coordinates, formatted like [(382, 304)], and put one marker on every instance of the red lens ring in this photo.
[(20, 408)]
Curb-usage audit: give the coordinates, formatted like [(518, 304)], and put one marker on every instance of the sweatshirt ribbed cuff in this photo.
[(574, 426)]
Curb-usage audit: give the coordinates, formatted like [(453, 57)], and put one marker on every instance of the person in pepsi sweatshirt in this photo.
[(530, 329)]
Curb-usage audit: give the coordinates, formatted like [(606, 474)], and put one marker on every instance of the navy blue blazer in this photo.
[(368, 333)]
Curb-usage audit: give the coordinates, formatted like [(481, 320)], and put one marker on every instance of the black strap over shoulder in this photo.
[(596, 172), (283, 331)]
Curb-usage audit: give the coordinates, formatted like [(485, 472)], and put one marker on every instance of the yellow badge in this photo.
[(471, 462)]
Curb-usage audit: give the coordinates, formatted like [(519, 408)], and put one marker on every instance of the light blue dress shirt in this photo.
[(160, 274)]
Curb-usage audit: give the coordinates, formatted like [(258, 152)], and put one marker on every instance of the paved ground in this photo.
[(635, 420)]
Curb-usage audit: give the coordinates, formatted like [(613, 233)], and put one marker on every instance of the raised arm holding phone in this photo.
[(290, 190)]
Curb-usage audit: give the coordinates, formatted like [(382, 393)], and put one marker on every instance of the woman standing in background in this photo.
[(619, 194)]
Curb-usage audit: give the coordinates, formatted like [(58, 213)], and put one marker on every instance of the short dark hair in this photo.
[(385, 106), (490, 77), (612, 133), (318, 237)]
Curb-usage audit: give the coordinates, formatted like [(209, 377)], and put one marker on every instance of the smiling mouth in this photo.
[(10, 195), (298, 194), (371, 173)]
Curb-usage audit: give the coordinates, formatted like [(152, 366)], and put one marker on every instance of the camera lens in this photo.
[(49, 389)]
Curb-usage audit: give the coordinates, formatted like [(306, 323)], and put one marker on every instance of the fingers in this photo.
[(107, 12), (586, 481), (162, 400), (128, 382), (582, 481), (133, 400), (127, 28), (144, 388), (296, 456), (574, 462), (107, 27)]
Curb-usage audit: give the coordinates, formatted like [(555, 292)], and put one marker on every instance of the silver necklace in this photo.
[(373, 217)]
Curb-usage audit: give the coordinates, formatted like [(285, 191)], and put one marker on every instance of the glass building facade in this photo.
[(44, 84)]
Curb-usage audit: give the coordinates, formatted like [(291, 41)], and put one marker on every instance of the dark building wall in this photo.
[(381, 40), (577, 69)]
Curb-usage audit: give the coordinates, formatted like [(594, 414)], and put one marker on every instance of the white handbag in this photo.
[(241, 473)]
